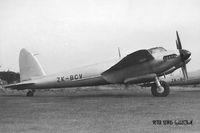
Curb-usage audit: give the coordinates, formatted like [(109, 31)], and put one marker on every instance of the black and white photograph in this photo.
[(99, 66)]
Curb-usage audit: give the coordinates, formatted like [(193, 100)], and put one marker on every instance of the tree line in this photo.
[(9, 76)]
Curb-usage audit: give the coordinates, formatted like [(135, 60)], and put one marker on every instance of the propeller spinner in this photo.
[(184, 54)]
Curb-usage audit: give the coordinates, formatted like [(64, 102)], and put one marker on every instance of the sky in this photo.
[(66, 34)]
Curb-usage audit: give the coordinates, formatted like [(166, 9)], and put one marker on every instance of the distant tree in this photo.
[(9, 76)]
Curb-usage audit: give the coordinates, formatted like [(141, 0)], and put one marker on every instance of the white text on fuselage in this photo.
[(70, 77)]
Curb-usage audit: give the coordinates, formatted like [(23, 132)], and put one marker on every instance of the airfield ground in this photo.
[(100, 111)]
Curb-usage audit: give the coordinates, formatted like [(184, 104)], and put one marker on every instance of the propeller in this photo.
[(184, 54)]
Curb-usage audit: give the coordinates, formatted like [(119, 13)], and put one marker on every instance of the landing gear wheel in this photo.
[(30, 93), (157, 91)]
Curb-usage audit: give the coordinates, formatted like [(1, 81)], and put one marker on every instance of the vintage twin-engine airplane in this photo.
[(140, 67)]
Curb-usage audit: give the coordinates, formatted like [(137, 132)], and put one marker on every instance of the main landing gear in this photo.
[(160, 88), (30, 93)]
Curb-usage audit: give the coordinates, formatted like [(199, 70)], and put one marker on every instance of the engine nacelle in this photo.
[(140, 79)]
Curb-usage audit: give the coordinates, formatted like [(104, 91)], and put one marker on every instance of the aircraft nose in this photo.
[(185, 54)]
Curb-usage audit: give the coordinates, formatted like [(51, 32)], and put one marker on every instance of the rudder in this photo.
[(29, 66)]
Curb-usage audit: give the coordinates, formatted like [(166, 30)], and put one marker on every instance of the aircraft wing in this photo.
[(115, 73), (19, 86), (132, 59)]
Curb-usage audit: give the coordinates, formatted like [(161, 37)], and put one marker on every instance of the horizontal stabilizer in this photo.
[(19, 86)]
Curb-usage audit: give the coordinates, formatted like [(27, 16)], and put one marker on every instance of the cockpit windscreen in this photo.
[(156, 50)]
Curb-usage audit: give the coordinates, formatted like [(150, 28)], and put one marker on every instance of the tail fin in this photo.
[(29, 66)]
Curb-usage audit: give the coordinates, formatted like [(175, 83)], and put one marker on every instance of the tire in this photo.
[(155, 92), (29, 94)]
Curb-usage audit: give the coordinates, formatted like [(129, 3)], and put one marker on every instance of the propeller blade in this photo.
[(178, 41), (184, 70), (177, 46), (183, 55)]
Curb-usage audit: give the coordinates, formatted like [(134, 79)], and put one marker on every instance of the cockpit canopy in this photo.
[(156, 50)]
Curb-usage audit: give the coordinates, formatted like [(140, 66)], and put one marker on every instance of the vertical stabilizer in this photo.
[(29, 66)]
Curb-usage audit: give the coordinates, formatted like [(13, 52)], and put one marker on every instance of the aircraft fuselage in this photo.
[(92, 75)]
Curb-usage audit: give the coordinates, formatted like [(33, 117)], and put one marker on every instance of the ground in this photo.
[(100, 111)]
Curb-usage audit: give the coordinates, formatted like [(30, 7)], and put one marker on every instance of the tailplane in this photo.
[(29, 66)]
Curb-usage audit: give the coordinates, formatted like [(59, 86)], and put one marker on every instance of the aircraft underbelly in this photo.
[(76, 83)]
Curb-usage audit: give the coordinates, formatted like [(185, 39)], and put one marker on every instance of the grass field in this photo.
[(99, 110)]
